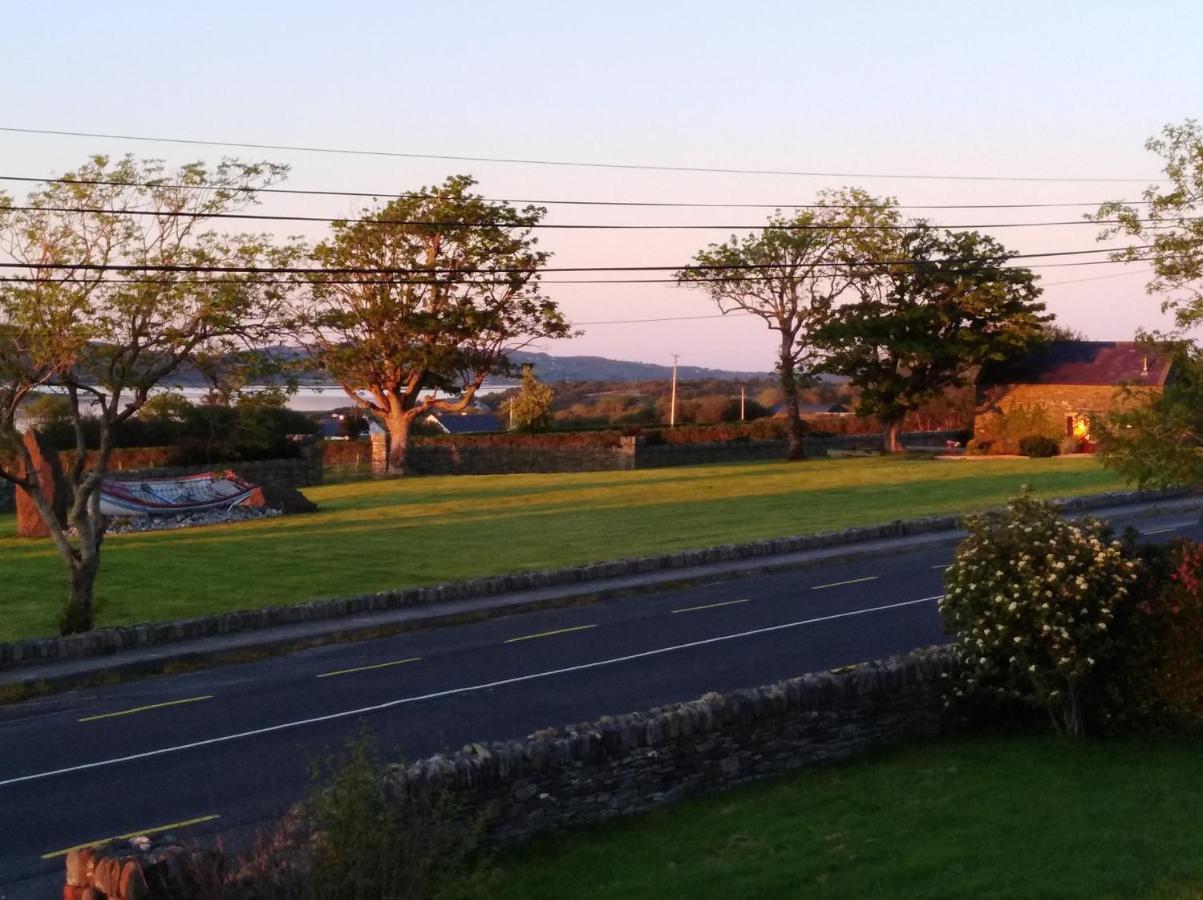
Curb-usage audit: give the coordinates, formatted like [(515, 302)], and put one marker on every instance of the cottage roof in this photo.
[(472, 423), (1082, 362)]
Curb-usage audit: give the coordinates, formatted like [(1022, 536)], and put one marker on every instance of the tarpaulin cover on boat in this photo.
[(171, 496)]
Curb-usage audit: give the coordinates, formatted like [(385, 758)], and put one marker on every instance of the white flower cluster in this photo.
[(1030, 600)]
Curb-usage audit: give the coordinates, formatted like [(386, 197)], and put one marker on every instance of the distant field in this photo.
[(373, 536), (978, 817)]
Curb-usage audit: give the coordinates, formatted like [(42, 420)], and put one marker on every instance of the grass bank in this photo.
[(981, 818), (372, 536)]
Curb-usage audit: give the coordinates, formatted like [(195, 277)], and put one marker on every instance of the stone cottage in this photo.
[(1056, 390)]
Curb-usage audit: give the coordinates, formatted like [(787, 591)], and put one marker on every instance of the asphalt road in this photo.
[(224, 749)]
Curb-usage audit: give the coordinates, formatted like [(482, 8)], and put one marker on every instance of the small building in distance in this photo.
[(1056, 390), (464, 423)]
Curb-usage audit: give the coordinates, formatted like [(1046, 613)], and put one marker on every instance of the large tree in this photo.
[(419, 300), (114, 283), (791, 274), (946, 303), (1167, 228)]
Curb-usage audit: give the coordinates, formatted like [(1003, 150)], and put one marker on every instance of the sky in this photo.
[(1052, 90)]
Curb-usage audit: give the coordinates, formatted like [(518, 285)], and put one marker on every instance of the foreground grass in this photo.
[(372, 536), (981, 818)]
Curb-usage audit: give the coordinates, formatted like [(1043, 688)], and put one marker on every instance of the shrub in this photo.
[(358, 837), (1158, 683), (1038, 446), (1030, 601), (1071, 444)]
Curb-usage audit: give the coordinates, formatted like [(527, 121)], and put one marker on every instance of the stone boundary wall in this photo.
[(8, 497), (625, 765), (616, 766), (104, 641), (468, 458)]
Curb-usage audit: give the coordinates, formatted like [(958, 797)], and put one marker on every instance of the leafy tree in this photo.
[(946, 303), (105, 339), (791, 274), (1155, 438), (1168, 228), (530, 408), (438, 287)]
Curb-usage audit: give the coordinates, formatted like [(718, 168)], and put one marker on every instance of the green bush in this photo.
[(1031, 601), (1038, 446), (1157, 683)]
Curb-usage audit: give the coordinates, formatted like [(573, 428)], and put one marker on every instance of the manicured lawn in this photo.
[(373, 536), (980, 818)]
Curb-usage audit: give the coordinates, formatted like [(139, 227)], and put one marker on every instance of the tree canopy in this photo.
[(792, 273), (121, 281), (945, 304), (1167, 227), (419, 300)]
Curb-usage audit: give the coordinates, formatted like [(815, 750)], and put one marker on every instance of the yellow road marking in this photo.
[(543, 634), (711, 605), (124, 837), (819, 587), (383, 665), (138, 709)]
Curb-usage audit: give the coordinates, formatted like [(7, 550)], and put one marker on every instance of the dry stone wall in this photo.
[(629, 764), (588, 773)]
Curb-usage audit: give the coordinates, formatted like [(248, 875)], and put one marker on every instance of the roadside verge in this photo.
[(60, 662)]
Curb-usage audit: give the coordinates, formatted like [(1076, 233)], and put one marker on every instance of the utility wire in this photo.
[(719, 279), (393, 154), (387, 195), (353, 270), (264, 217)]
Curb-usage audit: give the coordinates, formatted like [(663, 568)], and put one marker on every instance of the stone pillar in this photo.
[(379, 454), (50, 479), (628, 450)]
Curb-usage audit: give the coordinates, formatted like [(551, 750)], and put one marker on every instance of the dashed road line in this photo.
[(451, 692), (543, 634), (820, 587), (711, 605), (158, 829), (383, 665), (147, 708)]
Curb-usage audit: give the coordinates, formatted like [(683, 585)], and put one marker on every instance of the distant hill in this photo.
[(547, 368), (599, 368)]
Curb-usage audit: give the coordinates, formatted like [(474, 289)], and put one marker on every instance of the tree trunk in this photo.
[(78, 615), (398, 442), (891, 436), (789, 387)]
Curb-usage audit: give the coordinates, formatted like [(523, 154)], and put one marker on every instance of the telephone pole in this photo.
[(672, 407), (742, 394)]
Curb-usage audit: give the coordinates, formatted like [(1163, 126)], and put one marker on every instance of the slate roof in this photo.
[(1082, 362), (476, 423)]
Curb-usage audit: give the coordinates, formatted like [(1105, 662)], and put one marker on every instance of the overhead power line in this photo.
[(649, 167), (361, 270), (398, 281), (667, 204), (424, 223)]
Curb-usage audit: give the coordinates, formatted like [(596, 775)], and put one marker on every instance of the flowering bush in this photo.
[(1158, 682), (1031, 600)]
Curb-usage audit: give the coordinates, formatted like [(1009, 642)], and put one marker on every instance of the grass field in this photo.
[(373, 536), (980, 818)]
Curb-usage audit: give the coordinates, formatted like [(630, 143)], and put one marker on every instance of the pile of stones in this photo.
[(123, 524)]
